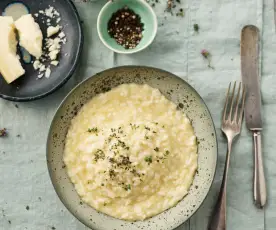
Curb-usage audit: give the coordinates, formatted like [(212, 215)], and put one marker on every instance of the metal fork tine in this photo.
[(226, 102), (237, 104), (232, 102), (243, 102)]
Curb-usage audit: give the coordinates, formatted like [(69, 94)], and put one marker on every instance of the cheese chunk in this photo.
[(30, 35), (10, 66), (51, 30)]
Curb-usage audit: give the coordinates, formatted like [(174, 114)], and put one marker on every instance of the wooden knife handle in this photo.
[(259, 177)]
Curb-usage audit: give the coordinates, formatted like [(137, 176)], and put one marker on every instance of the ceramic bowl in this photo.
[(176, 90), (140, 7)]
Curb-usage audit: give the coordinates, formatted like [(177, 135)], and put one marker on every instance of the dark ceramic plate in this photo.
[(28, 87), (176, 90)]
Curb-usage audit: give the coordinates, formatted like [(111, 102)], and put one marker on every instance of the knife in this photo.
[(250, 39)]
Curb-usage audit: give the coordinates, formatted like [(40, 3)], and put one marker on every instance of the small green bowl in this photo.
[(140, 7)]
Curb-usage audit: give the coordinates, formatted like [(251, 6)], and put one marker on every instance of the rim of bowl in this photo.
[(95, 75), (68, 75), (154, 32)]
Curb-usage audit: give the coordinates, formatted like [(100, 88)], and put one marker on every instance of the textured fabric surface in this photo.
[(27, 198)]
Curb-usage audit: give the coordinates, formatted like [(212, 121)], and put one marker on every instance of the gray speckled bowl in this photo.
[(176, 90)]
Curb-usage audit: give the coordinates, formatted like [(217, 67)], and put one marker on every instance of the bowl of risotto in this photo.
[(123, 150)]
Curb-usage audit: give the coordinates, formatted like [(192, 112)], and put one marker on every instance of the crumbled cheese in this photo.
[(49, 12), (64, 40), (42, 68), (40, 75), (53, 44), (52, 47), (48, 72), (56, 13), (53, 54), (61, 34), (55, 63), (36, 15), (36, 64), (52, 30), (57, 41)]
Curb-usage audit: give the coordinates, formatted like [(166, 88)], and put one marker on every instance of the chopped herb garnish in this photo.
[(128, 187), (93, 130), (112, 160), (133, 126), (120, 131), (99, 155), (135, 173), (125, 160), (148, 159), (112, 173), (167, 152), (156, 149), (146, 137), (147, 128), (121, 143)]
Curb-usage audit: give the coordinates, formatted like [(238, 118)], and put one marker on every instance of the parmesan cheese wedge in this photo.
[(10, 66), (30, 35)]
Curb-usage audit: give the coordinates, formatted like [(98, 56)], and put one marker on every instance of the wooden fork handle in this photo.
[(259, 185)]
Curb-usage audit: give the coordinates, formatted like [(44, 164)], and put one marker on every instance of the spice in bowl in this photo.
[(126, 28)]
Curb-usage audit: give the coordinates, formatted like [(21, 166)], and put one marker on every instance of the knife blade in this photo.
[(250, 76), (250, 40)]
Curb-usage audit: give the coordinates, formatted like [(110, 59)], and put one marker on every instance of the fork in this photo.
[(231, 126)]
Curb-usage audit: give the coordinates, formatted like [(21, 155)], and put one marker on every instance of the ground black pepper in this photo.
[(126, 28)]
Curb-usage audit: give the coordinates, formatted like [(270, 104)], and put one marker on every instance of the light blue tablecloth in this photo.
[(24, 177)]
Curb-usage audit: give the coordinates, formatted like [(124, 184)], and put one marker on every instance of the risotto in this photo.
[(130, 153)]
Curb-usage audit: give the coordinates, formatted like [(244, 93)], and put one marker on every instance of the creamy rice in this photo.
[(130, 153)]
